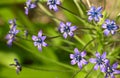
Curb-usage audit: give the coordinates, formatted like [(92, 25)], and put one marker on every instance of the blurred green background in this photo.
[(53, 61)]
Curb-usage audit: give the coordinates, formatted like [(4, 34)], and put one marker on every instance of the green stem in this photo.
[(71, 12), (45, 58), (89, 72), (88, 44), (49, 70), (79, 8)]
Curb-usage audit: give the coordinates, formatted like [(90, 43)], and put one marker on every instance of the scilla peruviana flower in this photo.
[(53, 4), (11, 35), (95, 14), (39, 40), (29, 5), (67, 29), (78, 57), (111, 70), (110, 27), (100, 61)]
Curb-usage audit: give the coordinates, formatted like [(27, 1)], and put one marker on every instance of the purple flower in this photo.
[(110, 27), (67, 29), (95, 14), (78, 57), (39, 41), (53, 4), (12, 23), (100, 61), (11, 35), (111, 70), (29, 5)]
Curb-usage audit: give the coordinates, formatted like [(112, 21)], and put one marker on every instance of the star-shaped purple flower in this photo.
[(78, 57), (39, 41), (29, 5), (95, 14), (67, 29), (111, 70), (53, 4), (11, 35), (100, 61), (110, 27)]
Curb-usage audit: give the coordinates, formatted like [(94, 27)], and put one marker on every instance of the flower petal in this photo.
[(73, 62), (96, 67), (71, 34), (80, 65), (96, 18), (26, 10), (34, 38), (104, 25), (68, 23), (76, 51), (40, 33), (102, 68), (9, 42), (90, 18), (106, 32), (92, 60), (44, 44), (62, 24), (43, 38), (83, 54), (83, 61), (116, 71), (112, 75), (71, 56), (73, 28), (55, 8), (107, 21), (112, 32), (103, 55), (35, 44), (97, 54), (114, 66), (39, 47), (99, 9), (65, 35), (32, 5)]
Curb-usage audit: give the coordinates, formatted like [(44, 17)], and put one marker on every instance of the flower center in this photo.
[(39, 40), (78, 58), (66, 29), (99, 61), (110, 27), (52, 2), (109, 70)]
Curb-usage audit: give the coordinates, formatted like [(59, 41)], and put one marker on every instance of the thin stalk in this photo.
[(45, 58), (88, 44), (71, 12), (79, 8), (48, 70), (88, 2), (89, 72)]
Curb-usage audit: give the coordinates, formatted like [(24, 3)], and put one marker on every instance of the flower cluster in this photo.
[(94, 14), (12, 32), (29, 5)]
